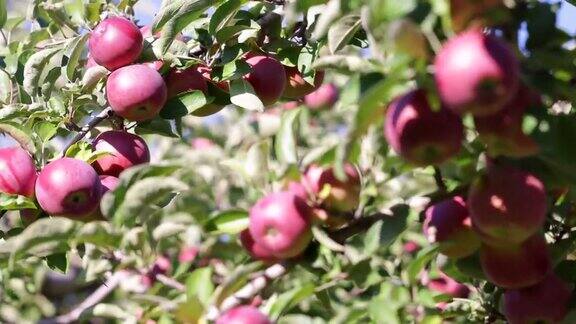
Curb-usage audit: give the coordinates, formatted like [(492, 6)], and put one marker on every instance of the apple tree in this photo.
[(287, 161)]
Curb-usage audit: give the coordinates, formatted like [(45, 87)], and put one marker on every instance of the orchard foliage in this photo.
[(298, 161)]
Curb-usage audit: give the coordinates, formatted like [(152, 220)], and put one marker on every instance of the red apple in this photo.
[(448, 286), (546, 302), (243, 315), (17, 172), (516, 266), (68, 187), (341, 196), (507, 204), (126, 150), (255, 250), (502, 132), (476, 73), (296, 85), (448, 224), (115, 42), (322, 98), (109, 183), (136, 92), (418, 134), (281, 224), (267, 77)]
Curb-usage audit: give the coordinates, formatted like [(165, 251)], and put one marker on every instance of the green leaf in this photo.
[(230, 222), (384, 232), (421, 260), (15, 202), (342, 32), (199, 285), (83, 151), (184, 104), (58, 262), (5, 86), (242, 95), (3, 13), (157, 126), (101, 234), (45, 130), (20, 134), (34, 67), (144, 194), (45, 230), (223, 15), (73, 52), (256, 165), (285, 144), (323, 238), (290, 299), (92, 76)]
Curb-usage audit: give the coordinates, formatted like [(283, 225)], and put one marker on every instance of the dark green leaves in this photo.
[(184, 104)]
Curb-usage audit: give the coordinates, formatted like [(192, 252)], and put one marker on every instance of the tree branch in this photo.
[(439, 180), (96, 297), (358, 226), (250, 290), (103, 115), (170, 282)]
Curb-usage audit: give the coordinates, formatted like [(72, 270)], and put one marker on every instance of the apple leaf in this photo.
[(242, 95)]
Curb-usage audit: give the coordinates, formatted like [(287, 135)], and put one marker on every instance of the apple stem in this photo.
[(103, 115), (439, 179)]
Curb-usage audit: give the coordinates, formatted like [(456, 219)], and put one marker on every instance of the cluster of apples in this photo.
[(138, 91), (505, 210), (280, 223), (70, 187)]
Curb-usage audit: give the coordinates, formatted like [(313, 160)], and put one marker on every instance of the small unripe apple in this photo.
[(115, 42), (267, 77), (420, 135), (256, 251), (502, 132), (68, 187), (17, 172), (507, 204), (136, 92), (516, 266), (546, 302), (476, 73), (125, 151), (322, 98), (340, 196), (281, 224), (243, 315), (296, 85), (448, 224)]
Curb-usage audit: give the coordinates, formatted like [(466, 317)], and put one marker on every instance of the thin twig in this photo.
[(250, 290), (358, 226), (439, 180), (170, 282), (103, 115), (96, 297)]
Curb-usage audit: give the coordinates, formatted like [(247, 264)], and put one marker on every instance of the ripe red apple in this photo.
[(546, 301), (243, 315), (448, 224), (418, 134), (206, 72), (109, 183), (136, 92), (507, 204), (17, 172), (280, 223), (296, 86), (267, 77), (323, 98), (126, 150), (90, 62), (502, 132), (446, 285), (255, 250), (68, 187), (115, 42), (516, 266), (342, 196), (476, 73)]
